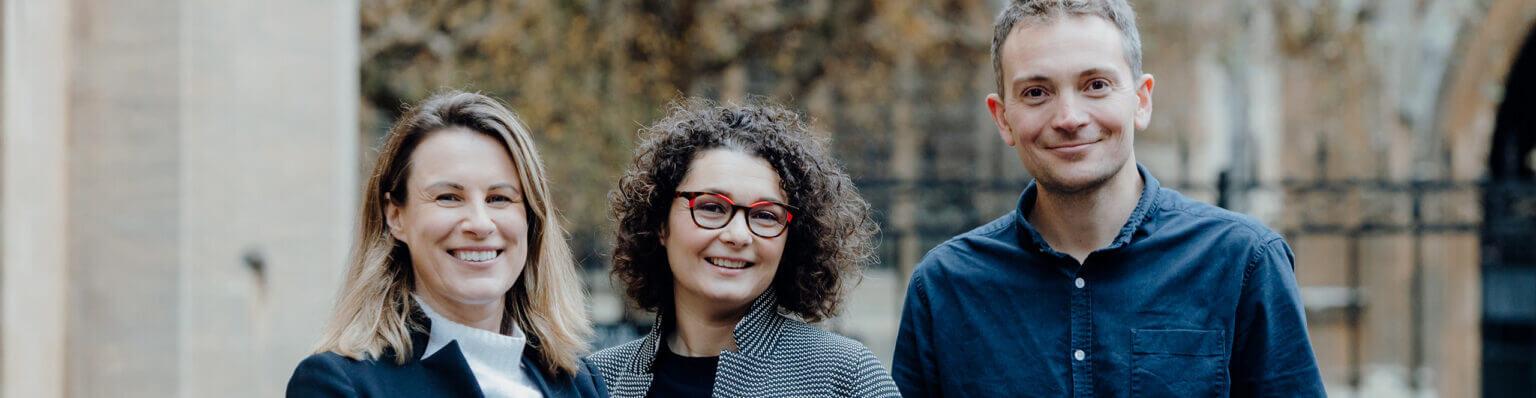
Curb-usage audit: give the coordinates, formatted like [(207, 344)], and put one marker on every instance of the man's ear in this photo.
[(999, 117), (392, 218), (1144, 101)]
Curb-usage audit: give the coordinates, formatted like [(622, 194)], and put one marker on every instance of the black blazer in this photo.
[(444, 374)]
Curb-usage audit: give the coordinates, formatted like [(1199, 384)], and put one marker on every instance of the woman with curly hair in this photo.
[(736, 227)]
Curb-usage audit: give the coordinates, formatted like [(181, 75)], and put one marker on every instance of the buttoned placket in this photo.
[(1082, 331)]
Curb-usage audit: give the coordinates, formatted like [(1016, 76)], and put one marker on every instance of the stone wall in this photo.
[(1361, 131), (179, 193)]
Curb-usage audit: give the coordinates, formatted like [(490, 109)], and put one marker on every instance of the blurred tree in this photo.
[(585, 75)]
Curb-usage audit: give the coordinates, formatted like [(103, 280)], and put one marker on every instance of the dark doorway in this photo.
[(1509, 238)]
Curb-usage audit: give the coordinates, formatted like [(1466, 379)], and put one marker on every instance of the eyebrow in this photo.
[(457, 186), (722, 192), (1031, 78), (1093, 71), (451, 185), (1110, 72)]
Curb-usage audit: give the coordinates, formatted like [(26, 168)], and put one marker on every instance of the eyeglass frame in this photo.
[(789, 212)]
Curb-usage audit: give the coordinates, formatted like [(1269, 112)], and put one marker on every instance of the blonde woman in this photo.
[(461, 283)]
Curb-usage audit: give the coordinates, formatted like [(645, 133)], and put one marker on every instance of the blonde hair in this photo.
[(374, 311)]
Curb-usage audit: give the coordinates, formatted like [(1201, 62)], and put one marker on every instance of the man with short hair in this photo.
[(1101, 282)]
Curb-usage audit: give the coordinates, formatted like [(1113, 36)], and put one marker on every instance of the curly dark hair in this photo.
[(830, 238)]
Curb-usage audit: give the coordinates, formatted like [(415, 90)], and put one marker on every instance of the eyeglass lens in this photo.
[(764, 219)]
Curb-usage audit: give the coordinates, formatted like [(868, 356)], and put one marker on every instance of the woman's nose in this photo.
[(734, 233)]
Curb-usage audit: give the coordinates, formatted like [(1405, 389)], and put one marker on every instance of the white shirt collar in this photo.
[(495, 359)]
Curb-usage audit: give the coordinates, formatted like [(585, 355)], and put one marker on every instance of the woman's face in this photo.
[(463, 219), (725, 268)]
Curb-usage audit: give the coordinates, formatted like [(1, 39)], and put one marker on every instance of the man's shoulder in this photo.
[(1205, 218), (999, 235)]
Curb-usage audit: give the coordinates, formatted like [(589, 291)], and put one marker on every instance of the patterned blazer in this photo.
[(776, 357)]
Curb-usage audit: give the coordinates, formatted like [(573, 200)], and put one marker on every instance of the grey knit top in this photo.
[(776, 357)]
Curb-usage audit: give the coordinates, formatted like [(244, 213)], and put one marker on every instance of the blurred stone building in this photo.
[(178, 190), (179, 177)]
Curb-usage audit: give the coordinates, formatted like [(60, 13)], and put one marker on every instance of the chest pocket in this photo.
[(1178, 363)]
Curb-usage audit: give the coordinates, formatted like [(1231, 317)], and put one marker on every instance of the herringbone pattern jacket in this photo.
[(776, 357)]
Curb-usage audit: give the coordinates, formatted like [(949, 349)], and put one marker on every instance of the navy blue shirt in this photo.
[(1189, 300)]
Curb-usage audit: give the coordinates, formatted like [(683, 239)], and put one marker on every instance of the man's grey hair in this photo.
[(1117, 12)]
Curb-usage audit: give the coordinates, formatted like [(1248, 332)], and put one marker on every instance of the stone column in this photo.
[(32, 194), (178, 182), (268, 153), (123, 200)]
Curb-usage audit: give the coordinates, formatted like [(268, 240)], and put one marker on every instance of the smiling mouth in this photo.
[(724, 263), (475, 256), (1074, 146)]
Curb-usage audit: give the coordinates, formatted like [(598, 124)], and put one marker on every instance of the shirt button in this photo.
[(1079, 355), (1081, 283)]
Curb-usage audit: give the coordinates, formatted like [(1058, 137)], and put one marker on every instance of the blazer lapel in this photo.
[(756, 336), (446, 368), (634, 379), (448, 365), (531, 371)]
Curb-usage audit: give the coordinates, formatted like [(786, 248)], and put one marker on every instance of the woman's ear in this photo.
[(392, 218)]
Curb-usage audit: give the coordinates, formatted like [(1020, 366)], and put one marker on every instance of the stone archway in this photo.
[(1509, 260)]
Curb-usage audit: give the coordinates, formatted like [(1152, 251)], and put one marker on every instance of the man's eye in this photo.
[(1034, 93), (1098, 85)]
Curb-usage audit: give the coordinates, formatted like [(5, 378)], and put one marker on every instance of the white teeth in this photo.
[(475, 255), (727, 263)]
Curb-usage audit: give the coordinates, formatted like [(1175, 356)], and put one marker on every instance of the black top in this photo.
[(680, 376)]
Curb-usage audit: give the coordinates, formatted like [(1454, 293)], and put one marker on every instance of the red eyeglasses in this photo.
[(714, 211)]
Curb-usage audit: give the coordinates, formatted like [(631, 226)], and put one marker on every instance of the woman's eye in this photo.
[(711, 207), (498, 199), (447, 197), (766, 217)]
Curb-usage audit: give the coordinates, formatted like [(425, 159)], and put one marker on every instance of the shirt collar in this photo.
[(1145, 207), (755, 334), (443, 331)]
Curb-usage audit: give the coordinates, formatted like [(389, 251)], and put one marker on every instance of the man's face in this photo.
[(1070, 105)]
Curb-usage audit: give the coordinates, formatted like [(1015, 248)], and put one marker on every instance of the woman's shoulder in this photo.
[(859, 372), (335, 361), (612, 359), (332, 364), (800, 336), (330, 374), (326, 374), (327, 362)]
